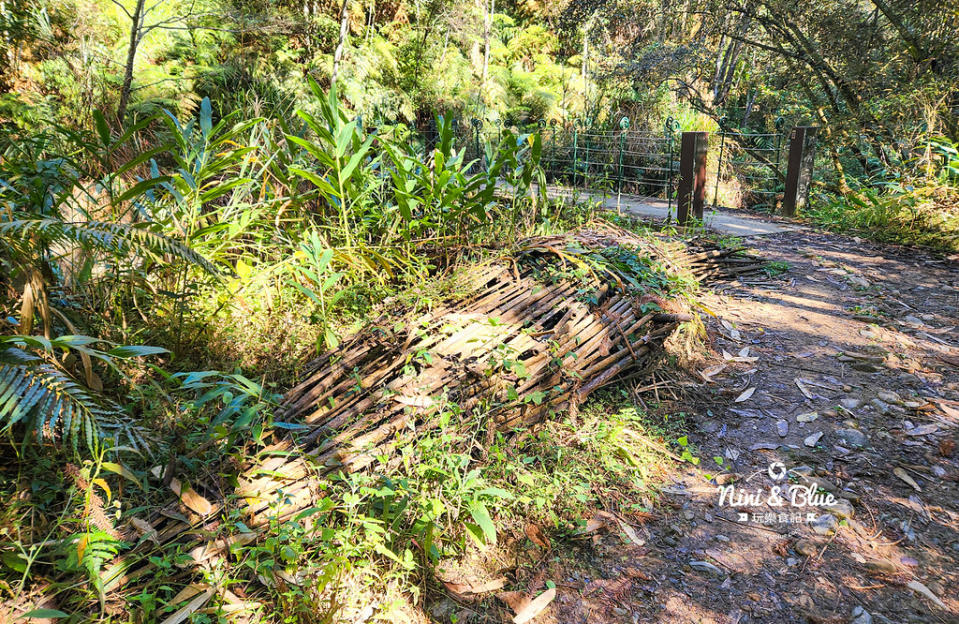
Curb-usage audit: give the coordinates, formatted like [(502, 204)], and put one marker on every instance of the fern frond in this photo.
[(120, 238), (50, 404)]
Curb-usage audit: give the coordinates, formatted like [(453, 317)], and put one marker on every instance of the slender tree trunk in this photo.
[(584, 70), (8, 44), (136, 26), (341, 42), (372, 23), (487, 31)]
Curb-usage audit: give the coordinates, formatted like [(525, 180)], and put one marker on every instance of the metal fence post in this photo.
[(624, 128), (719, 165), (575, 152), (587, 127), (671, 126), (476, 123), (802, 153), (692, 176)]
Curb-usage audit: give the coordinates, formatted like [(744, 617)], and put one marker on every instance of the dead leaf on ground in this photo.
[(743, 356), (413, 401), (745, 395), (536, 535), (188, 496), (144, 529), (188, 592), (611, 521), (918, 587), (457, 588), (535, 607), (470, 588), (951, 412), (922, 430), (711, 372), (904, 476), (946, 447), (516, 601), (636, 573), (948, 359), (802, 388), (595, 523), (190, 608)]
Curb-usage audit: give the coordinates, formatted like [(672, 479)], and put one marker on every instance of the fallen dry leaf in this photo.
[(946, 447), (190, 498), (536, 535), (516, 601), (535, 607), (413, 401), (189, 591), (745, 395), (709, 373), (145, 529), (918, 587), (490, 586), (595, 523), (802, 388), (610, 520), (923, 430), (213, 548), (482, 588), (636, 573), (951, 412), (902, 474), (458, 588), (190, 608)]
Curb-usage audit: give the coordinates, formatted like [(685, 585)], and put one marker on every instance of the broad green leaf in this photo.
[(48, 614), (102, 128), (135, 351), (121, 470), (481, 516)]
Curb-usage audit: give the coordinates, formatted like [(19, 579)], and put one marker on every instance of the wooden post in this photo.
[(692, 176), (802, 153)]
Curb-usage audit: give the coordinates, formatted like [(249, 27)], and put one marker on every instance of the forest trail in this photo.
[(845, 368)]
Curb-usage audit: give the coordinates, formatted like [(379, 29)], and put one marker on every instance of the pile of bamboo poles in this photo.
[(515, 348)]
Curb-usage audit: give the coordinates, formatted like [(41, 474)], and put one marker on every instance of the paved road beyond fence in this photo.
[(719, 221)]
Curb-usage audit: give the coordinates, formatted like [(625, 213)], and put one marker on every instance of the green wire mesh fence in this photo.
[(746, 168), (750, 168)]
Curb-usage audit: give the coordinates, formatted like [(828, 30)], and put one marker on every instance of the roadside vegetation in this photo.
[(199, 197)]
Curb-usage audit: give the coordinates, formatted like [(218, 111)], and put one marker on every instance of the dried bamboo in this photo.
[(510, 330)]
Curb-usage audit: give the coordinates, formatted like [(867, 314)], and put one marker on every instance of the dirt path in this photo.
[(860, 342)]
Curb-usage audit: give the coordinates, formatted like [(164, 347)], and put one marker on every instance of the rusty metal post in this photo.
[(802, 153), (692, 176)]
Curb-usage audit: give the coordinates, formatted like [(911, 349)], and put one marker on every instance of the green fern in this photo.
[(120, 238), (38, 397), (87, 552)]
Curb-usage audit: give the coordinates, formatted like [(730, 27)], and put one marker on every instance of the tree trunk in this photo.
[(913, 44), (341, 42), (487, 31), (136, 26), (585, 68)]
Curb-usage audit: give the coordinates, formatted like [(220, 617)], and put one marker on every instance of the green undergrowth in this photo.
[(926, 216), (442, 496), (169, 341), (370, 538)]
